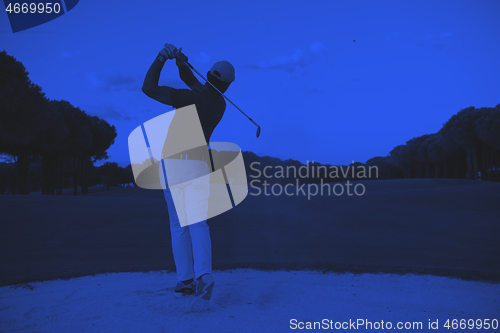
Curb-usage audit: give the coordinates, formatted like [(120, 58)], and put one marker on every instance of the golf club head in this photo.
[(258, 131)]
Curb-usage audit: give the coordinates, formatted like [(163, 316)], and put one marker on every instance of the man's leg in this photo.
[(202, 248), (196, 194), (181, 238)]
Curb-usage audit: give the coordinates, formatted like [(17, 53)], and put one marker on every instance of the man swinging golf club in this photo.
[(191, 244)]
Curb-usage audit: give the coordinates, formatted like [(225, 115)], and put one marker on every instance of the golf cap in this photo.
[(223, 70)]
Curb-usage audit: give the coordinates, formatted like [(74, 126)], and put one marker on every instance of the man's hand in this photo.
[(171, 52), (168, 52), (180, 58)]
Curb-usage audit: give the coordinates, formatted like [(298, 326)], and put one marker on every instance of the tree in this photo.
[(386, 169), (488, 130), (102, 136), (460, 130), (110, 174), (23, 107), (50, 146), (401, 156), (419, 147)]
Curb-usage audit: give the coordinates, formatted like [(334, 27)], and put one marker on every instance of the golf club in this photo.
[(258, 127)]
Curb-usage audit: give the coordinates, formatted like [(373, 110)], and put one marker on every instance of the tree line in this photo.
[(467, 146), (61, 139)]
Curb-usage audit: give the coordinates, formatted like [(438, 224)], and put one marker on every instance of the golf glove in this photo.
[(180, 58), (168, 52)]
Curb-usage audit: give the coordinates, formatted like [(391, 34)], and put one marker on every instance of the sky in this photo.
[(328, 81)]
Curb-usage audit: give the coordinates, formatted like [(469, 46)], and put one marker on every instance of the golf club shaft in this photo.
[(190, 66)]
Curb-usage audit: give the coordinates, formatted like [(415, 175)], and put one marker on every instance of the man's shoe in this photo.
[(185, 288), (204, 287)]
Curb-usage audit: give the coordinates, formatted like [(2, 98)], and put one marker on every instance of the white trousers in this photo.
[(186, 193)]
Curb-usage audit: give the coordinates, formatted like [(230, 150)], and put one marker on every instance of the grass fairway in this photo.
[(440, 227)]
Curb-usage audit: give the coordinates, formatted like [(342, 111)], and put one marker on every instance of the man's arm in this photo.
[(150, 86), (186, 74)]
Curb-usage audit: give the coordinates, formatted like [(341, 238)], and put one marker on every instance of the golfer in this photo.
[(191, 244)]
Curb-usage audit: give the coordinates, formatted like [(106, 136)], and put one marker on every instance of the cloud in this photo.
[(69, 54), (289, 63), (202, 58), (393, 35), (317, 48), (313, 91), (437, 45), (435, 41), (174, 83), (119, 80), (114, 81), (124, 82), (107, 111)]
